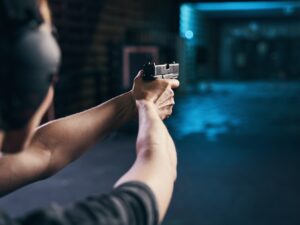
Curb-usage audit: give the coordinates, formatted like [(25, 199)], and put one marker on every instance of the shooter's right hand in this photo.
[(159, 91)]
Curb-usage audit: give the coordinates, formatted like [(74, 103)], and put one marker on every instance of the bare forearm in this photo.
[(69, 137), (156, 158), (17, 170), (58, 143)]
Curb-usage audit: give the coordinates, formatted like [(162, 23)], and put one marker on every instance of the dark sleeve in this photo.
[(130, 204)]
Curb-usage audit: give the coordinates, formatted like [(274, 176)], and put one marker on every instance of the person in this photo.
[(31, 153)]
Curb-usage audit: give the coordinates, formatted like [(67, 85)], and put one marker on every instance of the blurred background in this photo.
[(236, 123)]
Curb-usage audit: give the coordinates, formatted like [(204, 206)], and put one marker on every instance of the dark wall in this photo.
[(240, 45), (260, 50), (92, 36)]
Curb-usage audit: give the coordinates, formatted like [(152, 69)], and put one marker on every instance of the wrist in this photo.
[(145, 104), (139, 102)]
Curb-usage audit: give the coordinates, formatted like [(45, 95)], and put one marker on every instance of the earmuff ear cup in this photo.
[(34, 59)]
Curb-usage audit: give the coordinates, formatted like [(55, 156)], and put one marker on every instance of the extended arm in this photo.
[(66, 139), (156, 160), (130, 202), (69, 137), (57, 143)]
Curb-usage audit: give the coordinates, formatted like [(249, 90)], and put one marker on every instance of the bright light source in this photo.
[(241, 6), (189, 34)]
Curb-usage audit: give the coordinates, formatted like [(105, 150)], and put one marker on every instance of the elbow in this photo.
[(45, 151), (49, 168), (53, 166), (43, 162)]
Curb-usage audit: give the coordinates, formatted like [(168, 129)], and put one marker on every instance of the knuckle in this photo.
[(172, 92), (166, 82)]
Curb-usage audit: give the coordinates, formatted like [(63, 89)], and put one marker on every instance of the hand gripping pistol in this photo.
[(164, 71)]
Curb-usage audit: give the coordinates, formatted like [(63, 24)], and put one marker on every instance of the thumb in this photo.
[(140, 74), (174, 83)]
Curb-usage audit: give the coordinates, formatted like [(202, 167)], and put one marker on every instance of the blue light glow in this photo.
[(240, 6), (189, 34), (289, 10), (190, 12)]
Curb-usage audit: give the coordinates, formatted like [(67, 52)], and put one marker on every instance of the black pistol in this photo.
[(164, 71)]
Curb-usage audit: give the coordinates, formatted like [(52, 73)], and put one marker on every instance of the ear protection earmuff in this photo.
[(29, 58)]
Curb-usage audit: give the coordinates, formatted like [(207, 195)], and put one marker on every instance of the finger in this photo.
[(167, 94), (168, 102), (174, 83), (166, 112), (140, 74)]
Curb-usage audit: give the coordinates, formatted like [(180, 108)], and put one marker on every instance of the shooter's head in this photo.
[(29, 59)]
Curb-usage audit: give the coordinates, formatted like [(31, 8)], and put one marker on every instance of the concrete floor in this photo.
[(239, 157)]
